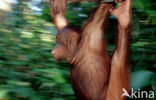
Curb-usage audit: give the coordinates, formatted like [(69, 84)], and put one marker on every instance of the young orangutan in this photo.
[(86, 51)]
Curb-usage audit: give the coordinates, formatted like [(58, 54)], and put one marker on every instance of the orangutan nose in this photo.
[(53, 52)]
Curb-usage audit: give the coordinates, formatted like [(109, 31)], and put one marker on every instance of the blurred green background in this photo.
[(27, 36)]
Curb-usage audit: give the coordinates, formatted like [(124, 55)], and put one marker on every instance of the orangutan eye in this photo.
[(59, 38)]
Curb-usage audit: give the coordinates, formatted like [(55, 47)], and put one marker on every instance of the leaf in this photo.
[(141, 79)]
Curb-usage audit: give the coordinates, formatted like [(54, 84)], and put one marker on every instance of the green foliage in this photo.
[(27, 69)]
